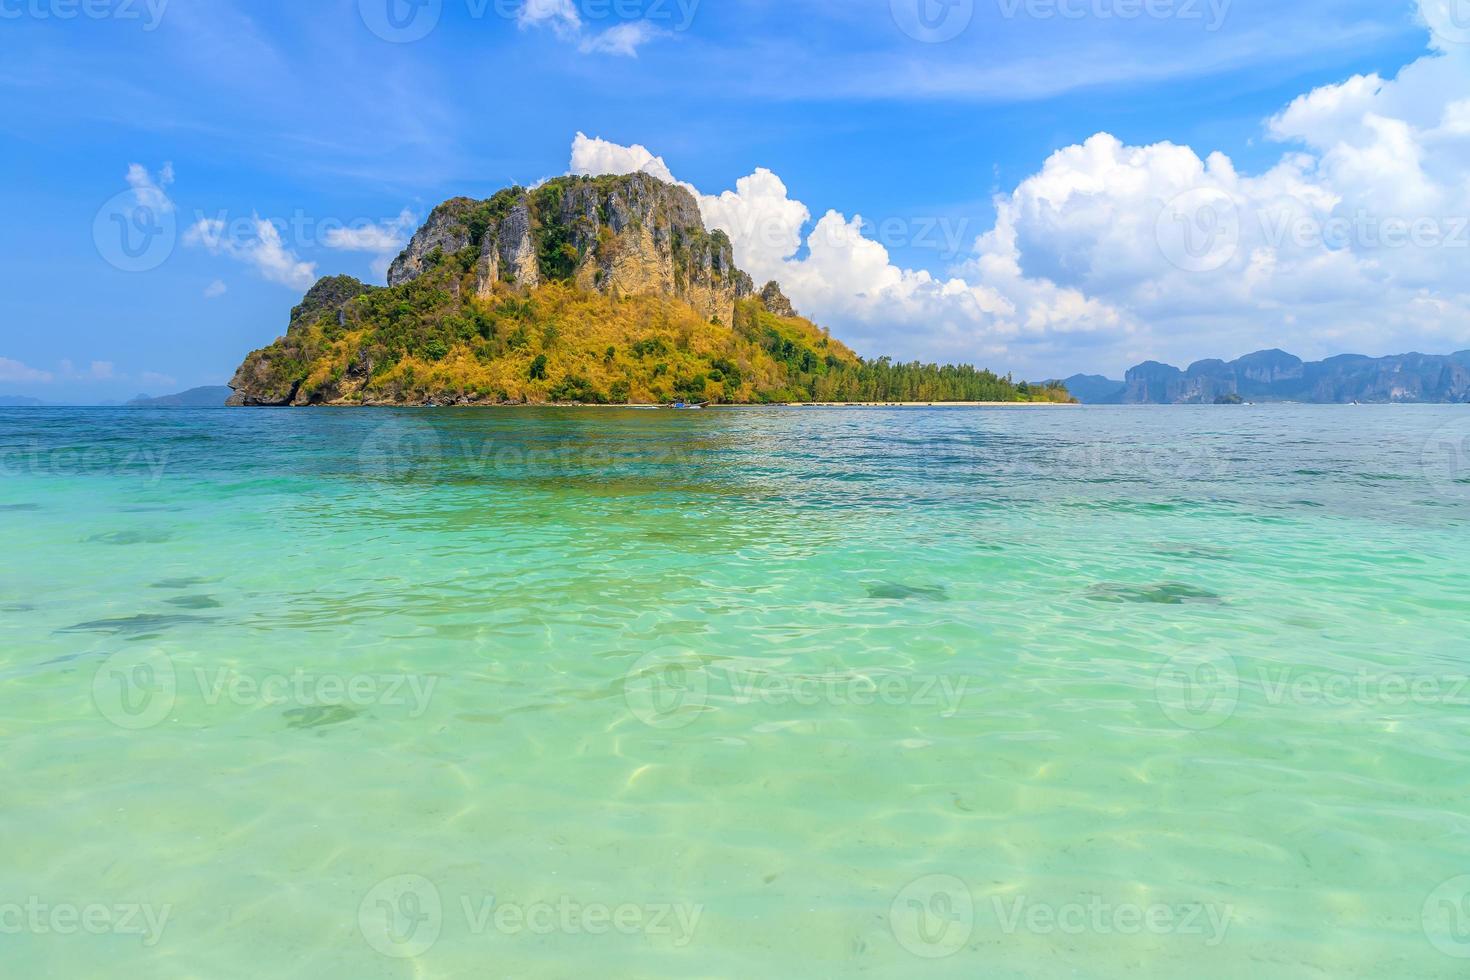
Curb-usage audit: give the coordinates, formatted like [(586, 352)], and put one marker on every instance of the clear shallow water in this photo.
[(1014, 693)]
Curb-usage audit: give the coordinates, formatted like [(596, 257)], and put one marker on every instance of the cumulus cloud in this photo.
[(16, 371), (763, 223), (595, 157), (260, 247), (1356, 238), (849, 281)]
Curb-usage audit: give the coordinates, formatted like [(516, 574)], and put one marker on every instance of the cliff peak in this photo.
[(628, 235)]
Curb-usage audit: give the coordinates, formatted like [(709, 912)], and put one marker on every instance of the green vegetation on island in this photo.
[(581, 292)]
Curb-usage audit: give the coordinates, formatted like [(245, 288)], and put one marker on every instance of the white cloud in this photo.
[(848, 281), (15, 371), (215, 289), (1357, 238), (762, 221), (566, 22), (95, 371), (148, 190), (383, 239), (261, 248), (155, 380), (595, 157), (386, 236), (624, 39), (560, 15)]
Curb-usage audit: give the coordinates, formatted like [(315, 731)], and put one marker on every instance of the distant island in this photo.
[(606, 290), (211, 396), (1276, 376)]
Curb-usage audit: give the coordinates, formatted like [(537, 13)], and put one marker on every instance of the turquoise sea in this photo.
[(1093, 692)]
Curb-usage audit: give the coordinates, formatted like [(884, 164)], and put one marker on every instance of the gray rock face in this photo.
[(775, 301), (256, 383), (744, 285), (630, 235), (446, 230), (514, 248), (1274, 375)]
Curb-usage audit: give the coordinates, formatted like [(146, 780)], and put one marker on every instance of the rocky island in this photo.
[(584, 290), (1276, 376)]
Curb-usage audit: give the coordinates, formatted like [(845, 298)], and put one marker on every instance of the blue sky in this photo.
[(224, 113)]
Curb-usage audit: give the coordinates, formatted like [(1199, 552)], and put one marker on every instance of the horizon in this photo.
[(126, 402), (1206, 177)]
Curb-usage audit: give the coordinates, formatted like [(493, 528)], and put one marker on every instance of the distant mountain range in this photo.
[(1276, 376), (213, 396)]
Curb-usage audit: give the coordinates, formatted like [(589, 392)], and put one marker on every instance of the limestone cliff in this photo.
[(1274, 376), (632, 235)]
